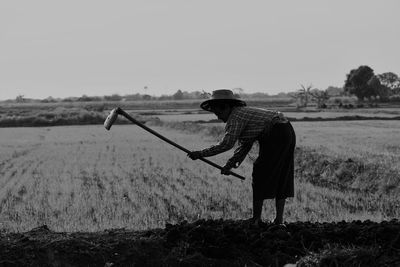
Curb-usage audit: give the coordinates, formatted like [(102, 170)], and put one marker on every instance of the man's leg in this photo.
[(257, 209), (280, 207)]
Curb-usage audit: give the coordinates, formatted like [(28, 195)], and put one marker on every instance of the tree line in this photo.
[(361, 85), (178, 95)]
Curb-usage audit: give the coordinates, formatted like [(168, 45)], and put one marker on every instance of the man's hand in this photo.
[(194, 155), (226, 170)]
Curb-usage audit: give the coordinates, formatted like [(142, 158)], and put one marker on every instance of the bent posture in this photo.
[(273, 169)]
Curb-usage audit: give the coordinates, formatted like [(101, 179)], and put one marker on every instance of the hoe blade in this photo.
[(111, 119)]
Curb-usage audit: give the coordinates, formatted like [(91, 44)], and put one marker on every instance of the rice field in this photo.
[(372, 141), (84, 178), (195, 116)]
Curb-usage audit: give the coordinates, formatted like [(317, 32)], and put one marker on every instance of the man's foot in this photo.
[(254, 222), (276, 224), (257, 222), (279, 222)]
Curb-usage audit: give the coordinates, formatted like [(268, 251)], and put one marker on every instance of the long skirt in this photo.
[(273, 170)]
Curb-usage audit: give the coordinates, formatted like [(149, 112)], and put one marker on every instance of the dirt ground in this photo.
[(210, 243)]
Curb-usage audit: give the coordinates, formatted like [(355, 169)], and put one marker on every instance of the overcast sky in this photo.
[(70, 48)]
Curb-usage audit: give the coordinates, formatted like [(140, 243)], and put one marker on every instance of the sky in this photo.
[(97, 47)]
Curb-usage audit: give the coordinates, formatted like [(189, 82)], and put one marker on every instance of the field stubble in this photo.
[(83, 178)]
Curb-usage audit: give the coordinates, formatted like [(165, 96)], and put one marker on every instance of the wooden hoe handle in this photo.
[(126, 115)]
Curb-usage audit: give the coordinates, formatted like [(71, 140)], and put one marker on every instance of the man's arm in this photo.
[(239, 155), (227, 143), (233, 129)]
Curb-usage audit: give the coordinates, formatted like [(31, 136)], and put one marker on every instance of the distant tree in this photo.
[(188, 95), (196, 95), (49, 99), (334, 91), (358, 82), (379, 91), (257, 95), (282, 94), (302, 96), (391, 81), (84, 98), (164, 97), (178, 95), (320, 96), (238, 91), (134, 97), (113, 97), (20, 99), (70, 99), (97, 98), (146, 97), (205, 95)]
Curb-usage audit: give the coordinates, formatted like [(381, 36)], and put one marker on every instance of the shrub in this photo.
[(343, 101), (394, 98)]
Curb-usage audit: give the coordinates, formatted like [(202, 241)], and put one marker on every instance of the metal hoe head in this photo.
[(111, 118)]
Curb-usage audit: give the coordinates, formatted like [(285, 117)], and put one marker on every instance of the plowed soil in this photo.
[(210, 243)]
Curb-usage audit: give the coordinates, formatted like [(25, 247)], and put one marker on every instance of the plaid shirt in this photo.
[(245, 125)]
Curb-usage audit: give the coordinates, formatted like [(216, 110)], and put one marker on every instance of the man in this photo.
[(273, 170)]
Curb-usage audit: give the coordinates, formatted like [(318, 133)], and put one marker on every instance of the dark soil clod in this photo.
[(210, 243)]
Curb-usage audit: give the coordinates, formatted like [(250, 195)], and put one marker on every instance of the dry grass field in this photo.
[(83, 178), (195, 116)]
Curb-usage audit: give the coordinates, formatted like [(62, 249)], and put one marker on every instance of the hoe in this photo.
[(118, 111)]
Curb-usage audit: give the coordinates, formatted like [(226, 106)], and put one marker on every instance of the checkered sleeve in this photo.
[(240, 154), (232, 132)]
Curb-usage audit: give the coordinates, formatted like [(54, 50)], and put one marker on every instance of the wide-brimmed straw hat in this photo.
[(222, 96)]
